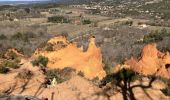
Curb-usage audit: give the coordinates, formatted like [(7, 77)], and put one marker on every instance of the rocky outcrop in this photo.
[(78, 88), (66, 54), (152, 62)]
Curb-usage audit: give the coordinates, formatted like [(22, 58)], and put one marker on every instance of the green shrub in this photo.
[(40, 61), (130, 23), (27, 10), (155, 36), (95, 79), (49, 47), (3, 69), (86, 21), (10, 64), (60, 75), (58, 19), (51, 74), (107, 69), (20, 36), (3, 37), (25, 74), (166, 91), (64, 34), (35, 63), (12, 55), (23, 36), (17, 36), (5, 65), (80, 73)]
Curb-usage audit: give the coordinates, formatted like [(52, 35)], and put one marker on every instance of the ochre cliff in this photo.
[(66, 54), (152, 62)]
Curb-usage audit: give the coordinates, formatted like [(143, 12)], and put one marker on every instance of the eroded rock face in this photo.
[(66, 54), (152, 62)]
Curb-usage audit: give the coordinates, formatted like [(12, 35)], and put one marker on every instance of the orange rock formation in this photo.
[(152, 62), (67, 54)]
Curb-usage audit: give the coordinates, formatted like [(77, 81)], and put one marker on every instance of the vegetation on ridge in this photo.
[(41, 61), (156, 36)]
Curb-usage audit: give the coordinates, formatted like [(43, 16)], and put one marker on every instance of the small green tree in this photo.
[(86, 21), (10, 64), (3, 37), (56, 73), (20, 36), (41, 61), (156, 36), (58, 19), (3, 69)]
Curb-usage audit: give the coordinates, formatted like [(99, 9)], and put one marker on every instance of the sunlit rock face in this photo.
[(66, 54), (152, 62)]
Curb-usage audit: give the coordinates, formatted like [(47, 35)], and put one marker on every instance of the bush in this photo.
[(17, 36), (80, 73), (3, 37), (107, 69), (155, 36), (49, 47), (20, 36), (51, 74), (58, 19), (3, 69), (10, 64), (130, 23), (27, 10), (60, 75), (11, 55), (166, 91), (95, 79), (23, 36), (5, 65), (86, 21), (40, 61), (25, 74), (64, 34)]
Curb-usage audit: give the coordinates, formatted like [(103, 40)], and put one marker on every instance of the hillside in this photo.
[(85, 50)]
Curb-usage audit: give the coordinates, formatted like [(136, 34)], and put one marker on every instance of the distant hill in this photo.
[(21, 2), (72, 1)]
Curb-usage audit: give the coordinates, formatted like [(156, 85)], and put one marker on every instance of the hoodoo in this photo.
[(66, 54), (152, 62)]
